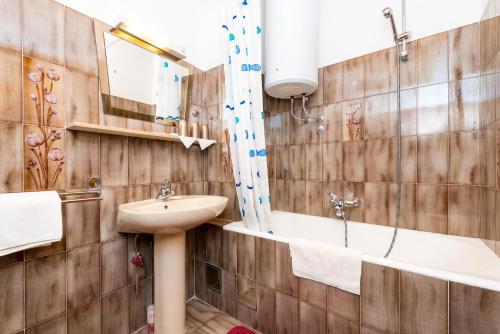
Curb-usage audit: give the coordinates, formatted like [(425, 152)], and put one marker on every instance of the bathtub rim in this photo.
[(448, 276)]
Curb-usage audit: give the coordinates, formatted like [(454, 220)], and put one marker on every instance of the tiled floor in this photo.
[(202, 318)]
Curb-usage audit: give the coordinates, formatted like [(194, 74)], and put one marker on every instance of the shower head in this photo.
[(388, 15), (387, 12)]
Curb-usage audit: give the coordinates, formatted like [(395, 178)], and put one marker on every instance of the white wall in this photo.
[(351, 28), (192, 24), (347, 28)]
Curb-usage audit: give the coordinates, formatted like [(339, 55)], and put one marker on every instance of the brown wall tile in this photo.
[(11, 85), (45, 288), (377, 160), (80, 43), (314, 162), (246, 255), (424, 304), (354, 161), (473, 310), (464, 215), (432, 208), (53, 326), (114, 160), (11, 170), (340, 325), (83, 275), (380, 297), (265, 261), (408, 211), (333, 114), (229, 251), (463, 45), (433, 109), (113, 265), (180, 163), (376, 198), (464, 105), (139, 161), (138, 302), (266, 317), (343, 303), (353, 78), (82, 224), (464, 158), (112, 198), (213, 235), (332, 161), (46, 43), (297, 189), (432, 159), (377, 72), (408, 68), (311, 319), (196, 164), (312, 292), (82, 158), (408, 112), (85, 319), (314, 195), (12, 298), (200, 282), (433, 59), (286, 282), (228, 292), (82, 99), (377, 117), (332, 83), (287, 314), (298, 162), (10, 37), (246, 315), (115, 313)]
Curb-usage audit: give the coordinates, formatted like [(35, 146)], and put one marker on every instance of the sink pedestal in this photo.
[(170, 281)]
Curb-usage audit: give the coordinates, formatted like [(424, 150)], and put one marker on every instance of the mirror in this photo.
[(142, 84)]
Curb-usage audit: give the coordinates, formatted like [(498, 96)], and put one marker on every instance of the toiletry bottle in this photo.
[(204, 131), (195, 126)]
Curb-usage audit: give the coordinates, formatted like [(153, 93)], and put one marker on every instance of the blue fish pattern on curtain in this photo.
[(244, 114)]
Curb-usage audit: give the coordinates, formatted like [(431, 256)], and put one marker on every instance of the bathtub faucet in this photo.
[(343, 202)]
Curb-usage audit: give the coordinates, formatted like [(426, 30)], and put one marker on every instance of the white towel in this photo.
[(28, 220), (204, 143), (187, 141), (329, 264)]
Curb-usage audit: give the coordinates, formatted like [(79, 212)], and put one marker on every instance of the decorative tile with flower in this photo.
[(44, 154), (353, 120)]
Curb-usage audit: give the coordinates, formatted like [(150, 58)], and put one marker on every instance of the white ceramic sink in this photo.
[(168, 221), (177, 214)]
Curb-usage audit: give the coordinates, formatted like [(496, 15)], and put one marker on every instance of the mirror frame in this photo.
[(120, 106)]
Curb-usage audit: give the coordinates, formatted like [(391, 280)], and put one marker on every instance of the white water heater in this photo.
[(291, 47)]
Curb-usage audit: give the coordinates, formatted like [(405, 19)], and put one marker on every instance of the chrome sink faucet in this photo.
[(343, 202), (165, 191)]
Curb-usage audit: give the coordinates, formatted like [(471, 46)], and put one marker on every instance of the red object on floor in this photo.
[(240, 330)]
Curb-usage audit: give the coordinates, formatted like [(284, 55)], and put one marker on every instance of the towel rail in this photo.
[(97, 196)]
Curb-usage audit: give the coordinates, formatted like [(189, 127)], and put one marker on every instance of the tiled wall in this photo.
[(259, 289), (85, 283), (448, 157)]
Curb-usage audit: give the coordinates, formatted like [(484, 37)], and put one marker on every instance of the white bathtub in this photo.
[(451, 258)]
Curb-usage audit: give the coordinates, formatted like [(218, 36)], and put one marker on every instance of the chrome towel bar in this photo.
[(96, 196)]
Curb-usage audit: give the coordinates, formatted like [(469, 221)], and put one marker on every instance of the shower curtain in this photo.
[(244, 113)]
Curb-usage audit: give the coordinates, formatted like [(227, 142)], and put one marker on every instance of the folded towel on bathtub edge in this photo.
[(329, 264)]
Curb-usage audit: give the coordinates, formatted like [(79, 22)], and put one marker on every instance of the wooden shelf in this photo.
[(113, 130)]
